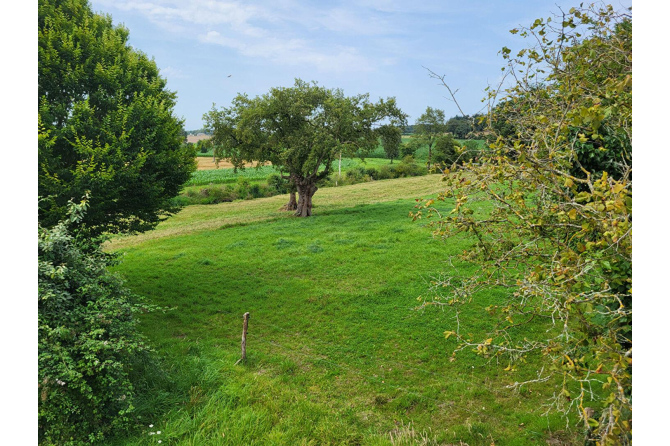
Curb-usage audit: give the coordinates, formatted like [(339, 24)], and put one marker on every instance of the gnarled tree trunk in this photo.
[(306, 190), (292, 204)]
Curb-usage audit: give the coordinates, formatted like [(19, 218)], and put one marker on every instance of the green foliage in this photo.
[(278, 184), (408, 148), (559, 235), (447, 151), (391, 139), (300, 130), (87, 337), (428, 128), (106, 124), (406, 168), (463, 127), (204, 145)]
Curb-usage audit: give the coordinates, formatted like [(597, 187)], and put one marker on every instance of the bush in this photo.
[(408, 149), (372, 173), (386, 172), (278, 184), (447, 151), (243, 188), (356, 174), (87, 338), (409, 168), (255, 191), (472, 150)]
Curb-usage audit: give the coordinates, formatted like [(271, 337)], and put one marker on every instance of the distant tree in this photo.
[(391, 141), (428, 128), (465, 126), (460, 126), (300, 130), (106, 124), (204, 145)]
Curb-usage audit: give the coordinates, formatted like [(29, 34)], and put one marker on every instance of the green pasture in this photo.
[(338, 353)]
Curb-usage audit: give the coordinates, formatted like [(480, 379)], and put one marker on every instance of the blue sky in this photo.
[(362, 46)]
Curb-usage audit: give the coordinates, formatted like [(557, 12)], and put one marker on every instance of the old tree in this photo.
[(558, 236), (300, 130)]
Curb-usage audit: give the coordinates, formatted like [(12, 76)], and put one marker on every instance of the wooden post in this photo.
[(245, 324)]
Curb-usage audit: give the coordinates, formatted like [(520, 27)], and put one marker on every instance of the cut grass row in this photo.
[(338, 354)]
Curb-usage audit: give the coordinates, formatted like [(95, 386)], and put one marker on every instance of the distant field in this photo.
[(226, 174), (421, 154)]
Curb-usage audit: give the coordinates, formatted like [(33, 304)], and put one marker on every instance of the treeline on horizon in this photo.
[(461, 127)]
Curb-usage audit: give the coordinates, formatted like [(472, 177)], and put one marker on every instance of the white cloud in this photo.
[(173, 73), (283, 31), (294, 52)]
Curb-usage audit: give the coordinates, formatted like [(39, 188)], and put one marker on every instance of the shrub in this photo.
[(408, 149), (278, 184), (356, 174), (386, 172), (409, 168), (243, 188), (87, 338), (372, 173), (255, 191), (447, 151)]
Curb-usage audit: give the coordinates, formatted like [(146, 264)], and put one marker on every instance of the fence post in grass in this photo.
[(245, 325)]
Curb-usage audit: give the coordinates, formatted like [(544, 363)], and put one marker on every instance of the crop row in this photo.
[(222, 176)]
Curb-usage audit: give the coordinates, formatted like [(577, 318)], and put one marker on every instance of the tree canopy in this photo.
[(558, 238), (428, 128), (106, 124), (300, 130)]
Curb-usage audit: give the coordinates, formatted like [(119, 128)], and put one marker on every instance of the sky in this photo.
[(211, 50)]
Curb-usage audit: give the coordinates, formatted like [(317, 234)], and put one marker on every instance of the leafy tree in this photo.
[(106, 124), (460, 126), (87, 335), (391, 141), (463, 127), (559, 234), (447, 151), (300, 130), (428, 128), (204, 145)]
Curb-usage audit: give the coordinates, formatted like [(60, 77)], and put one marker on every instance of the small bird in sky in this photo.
[(230, 75)]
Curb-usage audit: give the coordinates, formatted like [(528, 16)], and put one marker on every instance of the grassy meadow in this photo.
[(338, 352)]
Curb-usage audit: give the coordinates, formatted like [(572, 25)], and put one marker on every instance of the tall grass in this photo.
[(337, 351)]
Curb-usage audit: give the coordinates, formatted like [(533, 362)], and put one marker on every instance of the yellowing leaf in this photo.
[(593, 422)]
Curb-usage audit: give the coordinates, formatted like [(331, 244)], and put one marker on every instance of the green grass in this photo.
[(337, 351)]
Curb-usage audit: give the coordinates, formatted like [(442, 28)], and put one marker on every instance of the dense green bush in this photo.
[(87, 338), (447, 151), (409, 168), (278, 184)]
